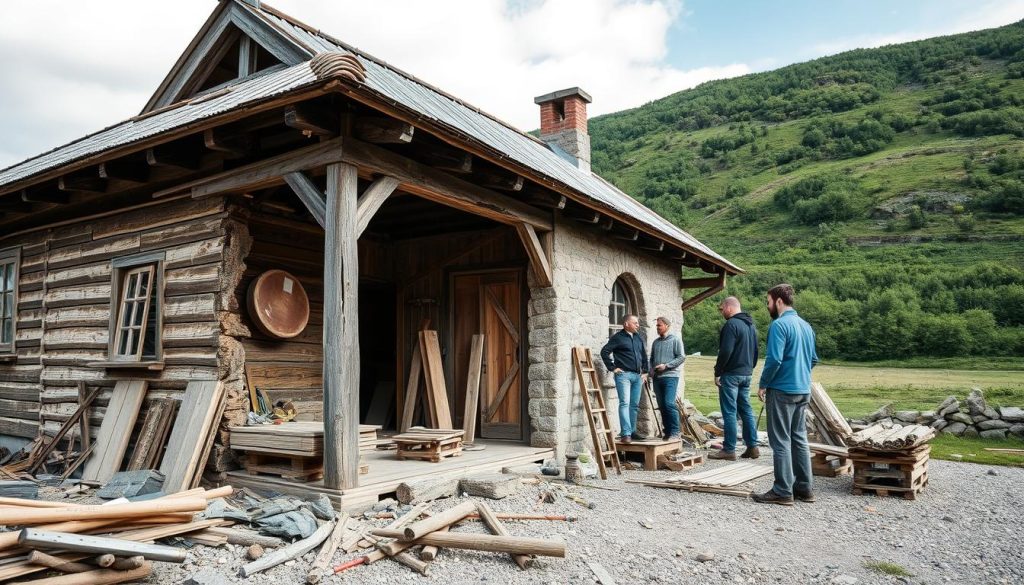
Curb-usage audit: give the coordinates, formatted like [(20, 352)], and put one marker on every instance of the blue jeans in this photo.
[(787, 435), (665, 391), (628, 386), (734, 398)]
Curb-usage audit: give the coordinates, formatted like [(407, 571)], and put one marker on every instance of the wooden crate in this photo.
[(303, 469), (680, 462), (650, 450), (428, 444), (825, 465), (883, 473)]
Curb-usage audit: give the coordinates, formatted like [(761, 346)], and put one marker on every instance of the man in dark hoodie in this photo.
[(737, 355)]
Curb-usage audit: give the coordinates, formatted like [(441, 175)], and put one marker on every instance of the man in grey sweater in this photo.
[(666, 357)]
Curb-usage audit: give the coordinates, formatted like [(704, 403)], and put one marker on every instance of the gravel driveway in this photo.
[(967, 526)]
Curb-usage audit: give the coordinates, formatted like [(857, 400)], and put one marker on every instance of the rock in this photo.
[(948, 519), (843, 580), (971, 432), (987, 425), (884, 412), (254, 552), (993, 472), (999, 434), (207, 576), (494, 486), (991, 413), (939, 424), (976, 402), (954, 407), (909, 416), (926, 417), (706, 556), (426, 490), (1011, 414), (949, 401), (960, 417), (715, 414), (1017, 430), (955, 428), (956, 456), (647, 523), (977, 418)]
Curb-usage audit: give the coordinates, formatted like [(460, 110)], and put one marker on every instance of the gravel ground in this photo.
[(966, 526)]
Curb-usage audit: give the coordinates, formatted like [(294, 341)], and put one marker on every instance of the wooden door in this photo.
[(490, 303)]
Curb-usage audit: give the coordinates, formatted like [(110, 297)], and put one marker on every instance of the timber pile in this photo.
[(829, 460), (429, 444), (721, 480), (690, 426), (896, 438), (883, 473), (109, 543), (829, 423), (295, 438)]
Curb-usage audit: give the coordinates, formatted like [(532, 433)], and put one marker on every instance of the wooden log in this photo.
[(323, 558), (107, 512), (128, 563), (495, 526), (105, 560), (247, 537), (494, 486), (426, 490), (294, 550), (429, 552), (398, 553), (32, 537), (504, 544), (438, 521), (57, 564), (96, 577)]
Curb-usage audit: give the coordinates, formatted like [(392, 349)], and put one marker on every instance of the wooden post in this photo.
[(341, 330)]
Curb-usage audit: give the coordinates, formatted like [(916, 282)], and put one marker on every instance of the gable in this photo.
[(233, 44)]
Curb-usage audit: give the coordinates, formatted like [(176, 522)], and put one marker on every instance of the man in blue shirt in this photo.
[(785, 387), (625, 355)]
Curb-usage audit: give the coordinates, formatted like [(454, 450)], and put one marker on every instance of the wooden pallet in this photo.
[(826, 465), (304, 469), (650, 449), (680, 462), (428, 444), (884, 473)]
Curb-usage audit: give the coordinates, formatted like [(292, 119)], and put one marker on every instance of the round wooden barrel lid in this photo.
[(278, 304)]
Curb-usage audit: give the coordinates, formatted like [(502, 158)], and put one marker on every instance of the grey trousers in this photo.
[(787, 436)]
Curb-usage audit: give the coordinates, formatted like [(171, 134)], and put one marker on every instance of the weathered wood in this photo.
[(58, 197), (380, 130), (312, 121), (433, 374), (446, 158), (412, 389), (495, 526), (450, 516), (372, 199), (323, 558), (80, 413), (247, 537), (494, 486), (517, 545), (341, 330), (309, 194), (426, 490), (124, 171), (192, 426), (539, 260), (294, 550), (116, 430), (40, 558), (187, 159), (231, 146), (96, 577), (112, 511), (476, 355)]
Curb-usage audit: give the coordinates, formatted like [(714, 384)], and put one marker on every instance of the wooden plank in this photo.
[(381, 130), (116, 430), (412, 389), (341, 329), (372, 199), (476, 356), (191, 427), (146, 441), (309, 194), (538, 255), (433, 370)]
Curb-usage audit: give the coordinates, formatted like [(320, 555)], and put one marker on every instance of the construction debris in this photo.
[(426, 490), (494, 486)]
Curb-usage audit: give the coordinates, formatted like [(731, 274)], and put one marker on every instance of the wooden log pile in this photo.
[(895, 438), (828, 422)]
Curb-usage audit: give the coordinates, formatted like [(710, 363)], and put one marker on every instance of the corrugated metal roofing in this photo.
[(242, 94)]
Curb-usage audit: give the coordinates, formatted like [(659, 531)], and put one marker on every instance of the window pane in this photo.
[(126, 319), (137, 314), (6, 330), (3, 277), (149, 341), (8, 302), (143, 286), (130, 288), (122, 344)]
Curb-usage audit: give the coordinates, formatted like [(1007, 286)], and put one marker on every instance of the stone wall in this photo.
[(574, 311), (973, 417)]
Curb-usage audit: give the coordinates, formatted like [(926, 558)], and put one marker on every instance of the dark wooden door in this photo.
[(491, 303)]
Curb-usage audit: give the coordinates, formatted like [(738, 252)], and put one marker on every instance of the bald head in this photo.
[(729, 307)]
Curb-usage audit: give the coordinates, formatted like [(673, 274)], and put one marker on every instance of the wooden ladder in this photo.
[(659, 429), (597, 416)]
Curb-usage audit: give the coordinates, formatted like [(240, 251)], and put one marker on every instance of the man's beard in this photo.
[(774, 312)]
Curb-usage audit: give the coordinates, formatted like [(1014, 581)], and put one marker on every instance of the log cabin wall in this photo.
[(64, 307)]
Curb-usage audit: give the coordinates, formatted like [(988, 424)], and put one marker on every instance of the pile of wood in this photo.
[(109, 543), (884, 473), (721, 480), (895, 438), (828, 423), (830, 460), (690, 427), (293, 450), (427, 366), (428, 444)]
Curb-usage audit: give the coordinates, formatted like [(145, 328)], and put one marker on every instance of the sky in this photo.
[(72, 68)]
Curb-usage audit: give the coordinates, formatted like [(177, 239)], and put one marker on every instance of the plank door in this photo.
[(491, 303)]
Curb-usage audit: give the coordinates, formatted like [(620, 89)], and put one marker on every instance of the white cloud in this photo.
[(71, 68)]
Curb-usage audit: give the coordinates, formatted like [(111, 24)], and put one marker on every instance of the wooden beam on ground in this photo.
[(719, 285), (371, 200), (58, 197), (380, 130), (188, 159), (125, 171), (309, 194), (341, 330), (539, 260), (236, 146), (312, 121)]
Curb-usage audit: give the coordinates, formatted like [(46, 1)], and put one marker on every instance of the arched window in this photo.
[(622, 304)]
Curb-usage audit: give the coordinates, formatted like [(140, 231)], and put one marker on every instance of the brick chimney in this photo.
[(563, 124)]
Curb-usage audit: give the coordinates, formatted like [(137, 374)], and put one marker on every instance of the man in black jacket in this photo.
[(625, 355), (737, 355)]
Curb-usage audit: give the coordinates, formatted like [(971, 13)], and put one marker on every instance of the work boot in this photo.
[(724, 455), (626, 439), (770, 497), (674, 438), (751, 453), (639, 437), (807, 497)]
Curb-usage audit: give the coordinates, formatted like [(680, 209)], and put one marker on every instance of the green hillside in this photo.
[(886, 184)]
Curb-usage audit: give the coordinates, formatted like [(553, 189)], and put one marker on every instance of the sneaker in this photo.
[(726, 455), (639, 437), (770, 497), (751, 453), (674, 438), (807, 497)]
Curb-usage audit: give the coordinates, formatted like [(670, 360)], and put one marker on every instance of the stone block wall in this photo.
[(574, 311)]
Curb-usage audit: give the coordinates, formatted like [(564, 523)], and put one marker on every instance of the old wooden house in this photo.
[(128, 254)]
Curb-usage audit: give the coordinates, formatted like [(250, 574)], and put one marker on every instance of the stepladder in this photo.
[(596, 412)]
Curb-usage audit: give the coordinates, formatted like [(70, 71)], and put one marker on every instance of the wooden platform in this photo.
[(901, 473), (386, 473), (650, 449)]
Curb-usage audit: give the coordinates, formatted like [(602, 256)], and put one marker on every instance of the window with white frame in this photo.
[(9, 260), (137, 304), (621, 305)]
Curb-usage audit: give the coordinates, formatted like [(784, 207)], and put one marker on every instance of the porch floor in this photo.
[(387, 472)]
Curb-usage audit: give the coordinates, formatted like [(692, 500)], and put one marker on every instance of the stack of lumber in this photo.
[(428, 366), (192, 436), (830, 460), (116, 536), (829, 423), (295, 438), (721, 480), (895, 438), (884, 473), (429, 444)]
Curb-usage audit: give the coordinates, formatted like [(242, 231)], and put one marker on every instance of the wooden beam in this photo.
[(503, 180), (538, 255), (374, 196), (446, 158), (698, 282), (61, 198), (309, 194), (718, 285), (14, 205), (341, 330), (652, 245), (381, 130), (582, 215), (548, 200), (89, 183), (188, 159), (311, 121), (235, 146), (125, 171)]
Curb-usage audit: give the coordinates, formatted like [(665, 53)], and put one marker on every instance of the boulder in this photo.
[(1017, 430), (909, 416), (950, 400), (960, 418), (939, 424), (971, 432), (1011, 414), (991, 413), (949, 409), (885, 422), (988, 425), (884, 412), (926, 417), (993, 434), (976, 402), (955, 428)]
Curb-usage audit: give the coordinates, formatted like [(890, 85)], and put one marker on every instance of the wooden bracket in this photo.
[(311, 196), (372, 199), (379, 130), (311, 121), (61, 198), (537, 252), (717, 284)]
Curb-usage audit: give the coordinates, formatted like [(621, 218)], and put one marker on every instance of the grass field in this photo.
[(862, 389)]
